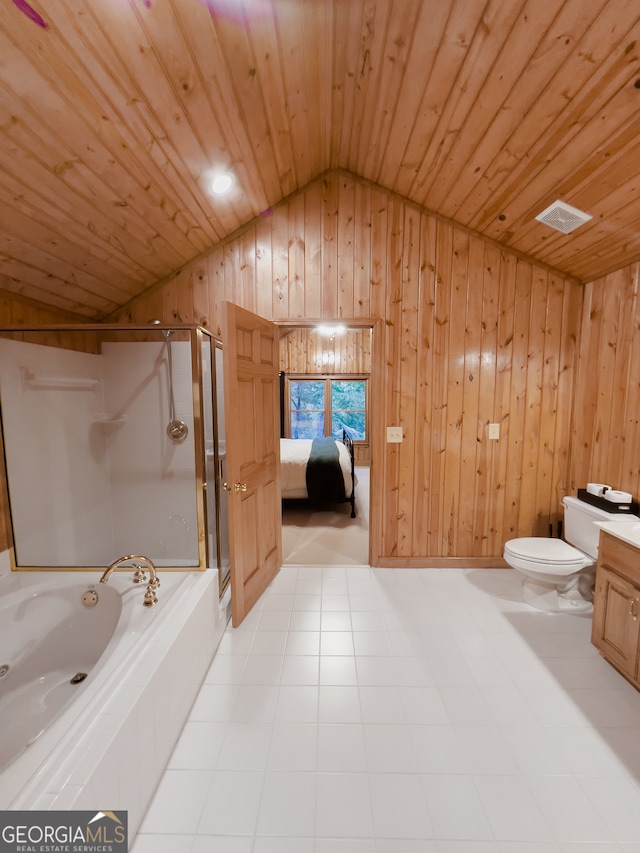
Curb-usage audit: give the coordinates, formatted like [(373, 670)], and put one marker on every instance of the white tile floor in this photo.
[(363, 710)]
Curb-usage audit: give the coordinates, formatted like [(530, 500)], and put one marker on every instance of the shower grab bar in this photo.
[(104, 418), (32, 380)]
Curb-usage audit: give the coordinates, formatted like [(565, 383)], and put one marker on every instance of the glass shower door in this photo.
[(221, 449), (215, 459)]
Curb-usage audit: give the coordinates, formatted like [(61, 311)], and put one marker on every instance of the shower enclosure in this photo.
[(114, 444)]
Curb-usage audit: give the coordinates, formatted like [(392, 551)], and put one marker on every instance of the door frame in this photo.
[(376, 405)]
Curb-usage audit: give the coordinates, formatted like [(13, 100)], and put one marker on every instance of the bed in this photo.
[(320, 470)]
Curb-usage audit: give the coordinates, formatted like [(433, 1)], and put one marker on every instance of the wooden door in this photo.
[(253, 455)]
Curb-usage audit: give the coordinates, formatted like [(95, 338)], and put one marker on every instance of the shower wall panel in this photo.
[(60, 490), (152, 478)]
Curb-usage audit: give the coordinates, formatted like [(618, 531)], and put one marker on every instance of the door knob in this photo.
[(236, 487)]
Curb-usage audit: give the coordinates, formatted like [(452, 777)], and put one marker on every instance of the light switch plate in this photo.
[(394, 435), (494, 432)]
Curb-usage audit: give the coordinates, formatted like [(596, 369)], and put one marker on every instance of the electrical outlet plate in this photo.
[(394, 435)]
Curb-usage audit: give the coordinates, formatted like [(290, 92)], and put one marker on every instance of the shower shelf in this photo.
[(32, 380), (104, 418)]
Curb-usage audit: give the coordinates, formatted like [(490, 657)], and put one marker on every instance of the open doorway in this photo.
[(326, 373)]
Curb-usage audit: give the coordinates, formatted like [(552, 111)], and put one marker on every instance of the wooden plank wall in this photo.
[(305, 350), (472, 334), (515, 367), (606, 433)]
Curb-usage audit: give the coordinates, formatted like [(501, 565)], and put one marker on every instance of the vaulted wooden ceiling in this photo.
[(115, 113)]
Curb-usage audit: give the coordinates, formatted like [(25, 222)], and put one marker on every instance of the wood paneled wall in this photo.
[(606, 433), (471, 334), (307, 350)]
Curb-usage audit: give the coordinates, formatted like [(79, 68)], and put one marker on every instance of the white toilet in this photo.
[(559, 575)]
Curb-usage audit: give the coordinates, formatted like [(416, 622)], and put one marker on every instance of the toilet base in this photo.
[(549, 597)]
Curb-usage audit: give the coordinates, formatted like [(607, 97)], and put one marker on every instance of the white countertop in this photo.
[(628, 531)]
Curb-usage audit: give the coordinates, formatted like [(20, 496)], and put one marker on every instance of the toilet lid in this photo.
[(541, 550)]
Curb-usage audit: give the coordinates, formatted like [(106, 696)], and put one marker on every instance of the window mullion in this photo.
[(328, 412)]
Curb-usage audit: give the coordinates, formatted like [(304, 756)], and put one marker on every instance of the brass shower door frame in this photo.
[(197, 335)]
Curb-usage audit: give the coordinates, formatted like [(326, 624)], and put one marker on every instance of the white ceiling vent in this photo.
[(563, 217)]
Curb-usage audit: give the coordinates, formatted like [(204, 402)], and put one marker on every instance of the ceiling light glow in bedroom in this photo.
[(329, 331)]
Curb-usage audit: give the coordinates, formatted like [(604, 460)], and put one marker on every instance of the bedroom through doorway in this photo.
[(325, 377)]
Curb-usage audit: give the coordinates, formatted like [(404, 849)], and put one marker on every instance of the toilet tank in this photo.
[(579, 528)]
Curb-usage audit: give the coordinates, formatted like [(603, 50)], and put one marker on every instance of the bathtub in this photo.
[(94, 696)]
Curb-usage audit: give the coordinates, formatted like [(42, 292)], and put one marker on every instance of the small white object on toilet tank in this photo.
[(597, 489)]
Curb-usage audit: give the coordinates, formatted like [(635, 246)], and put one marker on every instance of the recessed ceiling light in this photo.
[(222, 183)]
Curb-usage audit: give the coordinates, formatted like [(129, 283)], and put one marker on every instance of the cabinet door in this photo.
[(616, 623)]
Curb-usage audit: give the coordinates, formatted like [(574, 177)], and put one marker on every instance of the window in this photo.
[(325, 406), (348, 410), (307, 408)]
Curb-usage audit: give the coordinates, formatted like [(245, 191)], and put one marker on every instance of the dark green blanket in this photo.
[(325, 482)]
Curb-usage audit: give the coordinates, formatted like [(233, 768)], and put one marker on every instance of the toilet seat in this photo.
[(540, 554)]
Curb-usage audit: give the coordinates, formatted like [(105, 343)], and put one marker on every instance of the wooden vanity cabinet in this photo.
[(616, 606)]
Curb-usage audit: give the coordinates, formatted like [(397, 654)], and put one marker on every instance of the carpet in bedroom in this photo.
[(313, 536)]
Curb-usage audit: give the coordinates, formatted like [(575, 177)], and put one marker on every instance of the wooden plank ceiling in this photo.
[(114, 114)]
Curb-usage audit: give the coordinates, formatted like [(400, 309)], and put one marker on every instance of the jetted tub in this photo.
[(94, 695), (50, 645)]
